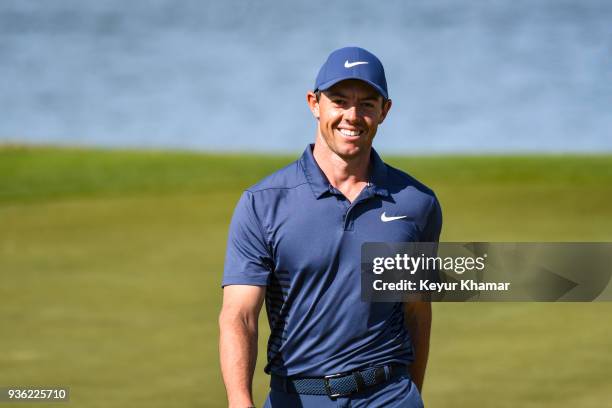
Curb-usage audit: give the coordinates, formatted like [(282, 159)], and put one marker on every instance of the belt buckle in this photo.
[(328, 387)]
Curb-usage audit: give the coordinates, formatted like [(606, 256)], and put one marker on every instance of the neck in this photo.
[(349, 175)]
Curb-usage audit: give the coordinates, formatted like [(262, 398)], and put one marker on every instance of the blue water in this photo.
[(465, 76)]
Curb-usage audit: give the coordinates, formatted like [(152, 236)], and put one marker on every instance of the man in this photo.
[(295, 240)]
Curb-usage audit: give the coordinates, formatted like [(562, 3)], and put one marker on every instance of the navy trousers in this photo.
[(396, 393)]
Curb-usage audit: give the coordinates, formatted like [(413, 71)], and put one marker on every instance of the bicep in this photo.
[(417, 312), (242, 301)]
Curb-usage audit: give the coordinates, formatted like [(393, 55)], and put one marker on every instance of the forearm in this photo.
[(238, 353), (418, 323)]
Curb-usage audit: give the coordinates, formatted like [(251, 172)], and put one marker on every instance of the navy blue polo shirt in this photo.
[(301, 238)]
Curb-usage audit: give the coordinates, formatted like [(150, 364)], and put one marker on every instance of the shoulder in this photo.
[(401, 183), (416, 198), (261, 201), (287, 178)]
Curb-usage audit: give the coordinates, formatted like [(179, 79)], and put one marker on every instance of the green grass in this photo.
[(110, 264)]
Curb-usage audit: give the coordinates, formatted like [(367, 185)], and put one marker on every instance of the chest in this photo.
[(312, 234)]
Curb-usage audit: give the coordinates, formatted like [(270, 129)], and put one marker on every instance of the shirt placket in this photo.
[(348, 220)]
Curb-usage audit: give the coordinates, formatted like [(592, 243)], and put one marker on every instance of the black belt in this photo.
[(338, 385)]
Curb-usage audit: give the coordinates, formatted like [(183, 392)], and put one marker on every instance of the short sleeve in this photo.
[(247, 258), (431, 231)]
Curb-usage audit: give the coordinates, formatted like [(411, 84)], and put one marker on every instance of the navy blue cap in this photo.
[(352, 63)]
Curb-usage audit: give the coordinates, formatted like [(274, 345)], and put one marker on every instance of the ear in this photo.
[(311, 99), (385, 109)]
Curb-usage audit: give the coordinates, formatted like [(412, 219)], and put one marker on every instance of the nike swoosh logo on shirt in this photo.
[(348, 64), (384, 218)]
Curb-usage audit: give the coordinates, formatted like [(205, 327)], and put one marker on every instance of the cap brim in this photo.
[(326, 85)]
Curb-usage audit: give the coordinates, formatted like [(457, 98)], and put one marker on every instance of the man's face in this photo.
[(349, 114)]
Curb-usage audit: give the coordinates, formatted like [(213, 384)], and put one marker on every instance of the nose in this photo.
[(351, 113)]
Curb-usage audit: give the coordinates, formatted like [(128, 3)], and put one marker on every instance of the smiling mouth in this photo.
[(350, 133)]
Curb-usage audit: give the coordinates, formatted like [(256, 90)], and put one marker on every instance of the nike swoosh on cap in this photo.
[(348, 64), (384, 218)]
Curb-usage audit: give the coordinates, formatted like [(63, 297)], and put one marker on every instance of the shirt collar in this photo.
[(378, 178), (320, 185)]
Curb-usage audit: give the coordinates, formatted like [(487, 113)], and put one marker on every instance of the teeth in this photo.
[(347, 132)]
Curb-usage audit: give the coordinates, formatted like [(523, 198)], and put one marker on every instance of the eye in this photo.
[(368, 105)]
